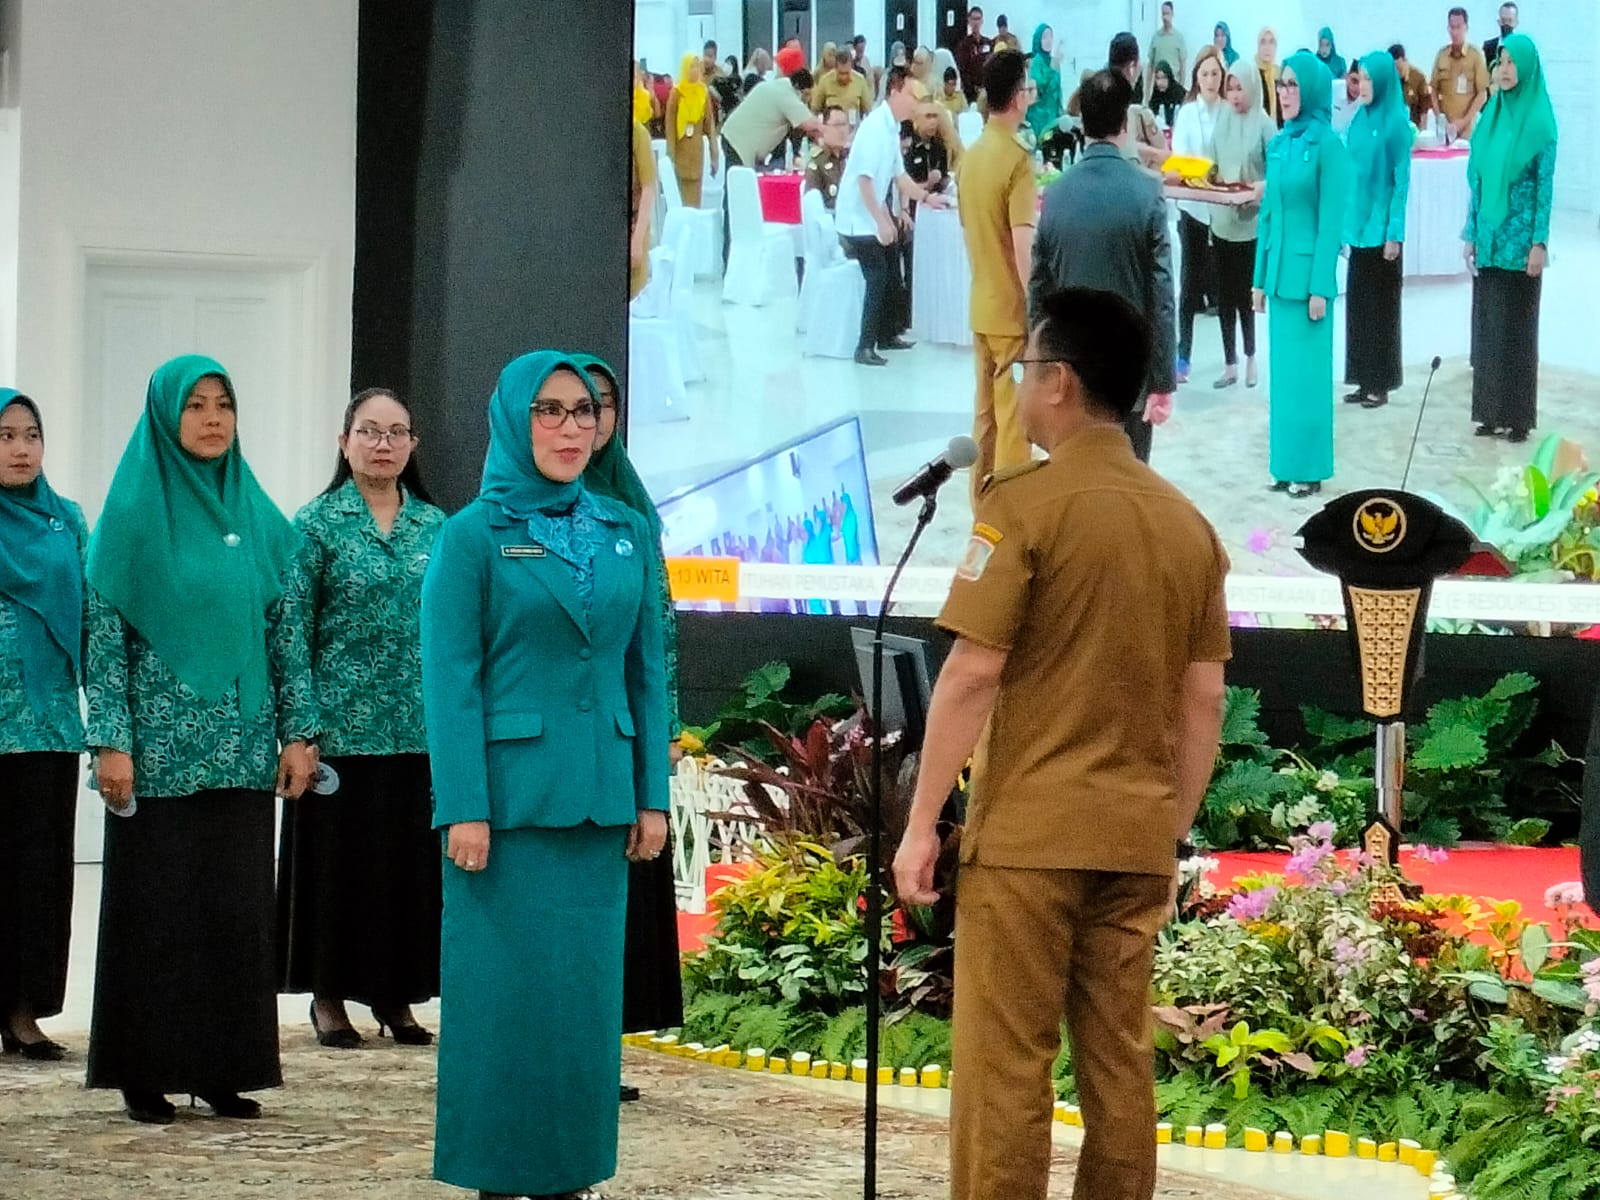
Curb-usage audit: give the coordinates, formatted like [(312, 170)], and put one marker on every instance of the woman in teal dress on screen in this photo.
[(544, 687), (1511, 175), (1297, 250)]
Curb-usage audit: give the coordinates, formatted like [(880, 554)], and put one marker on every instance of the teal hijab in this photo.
[(1380, 133), (1515, 128), (1335, 63), (511, 480), (1045, 111), (1315, 120), (41, 575), (1229, 54), (190, 552), (610, 472)]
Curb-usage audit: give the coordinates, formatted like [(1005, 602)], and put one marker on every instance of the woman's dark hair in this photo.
[(27, 403), (411, 477)]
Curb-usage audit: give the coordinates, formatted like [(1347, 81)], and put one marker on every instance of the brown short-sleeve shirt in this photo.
[(1103, 583), (998, 194), (1458, 79)]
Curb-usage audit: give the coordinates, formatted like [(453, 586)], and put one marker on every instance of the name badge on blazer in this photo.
[(522, 551)]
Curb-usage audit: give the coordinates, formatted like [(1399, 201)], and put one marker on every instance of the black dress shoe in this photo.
[(40, 1051), (1517, 436), (629, 1093), (1355, 397), (1377, 401), (1485, 431), (149, 1108), (896, 343), (233, 1106), (337, 1039), (1279, 485), (870, 358), (1299, 491)]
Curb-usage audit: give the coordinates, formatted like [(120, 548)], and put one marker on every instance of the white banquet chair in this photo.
[(835, 291), (760, 253), (679, 237), (705, 254), (969, 127), (711, 187), (656, 390)]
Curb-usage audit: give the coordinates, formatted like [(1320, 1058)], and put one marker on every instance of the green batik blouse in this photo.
[(59, 729), (353, 603), (1527, 221), (182, 744)]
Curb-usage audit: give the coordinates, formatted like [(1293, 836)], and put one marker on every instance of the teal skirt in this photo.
[(1300, 382), (530, 1037)]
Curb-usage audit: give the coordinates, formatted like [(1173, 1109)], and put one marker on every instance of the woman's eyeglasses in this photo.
[(1288, 85), (552, 415), (371, 436)]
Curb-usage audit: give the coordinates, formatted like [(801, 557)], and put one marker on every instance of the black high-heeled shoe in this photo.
[(335, 1039), (233, 1106), (410, 1034), (42, 1051), (629, 1093), (148, 1108)]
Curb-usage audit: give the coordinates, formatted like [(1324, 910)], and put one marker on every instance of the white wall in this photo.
[(186, 128)]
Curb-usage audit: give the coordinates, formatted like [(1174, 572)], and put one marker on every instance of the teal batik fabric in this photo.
[(182, 744), (23, 730), (353, 605), (1527, 221), (575, 537)]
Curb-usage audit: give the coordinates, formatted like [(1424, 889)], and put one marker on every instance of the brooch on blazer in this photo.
[(522, 551), (624, 548)]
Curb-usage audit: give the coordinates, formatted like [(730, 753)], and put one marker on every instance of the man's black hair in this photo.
[(1105, 339), (1104, 102), (802, 80), (1002, 79), (1124, 50)]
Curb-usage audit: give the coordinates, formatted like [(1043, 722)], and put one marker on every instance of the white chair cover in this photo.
[(679, 238), (761, 255), (942, 279), (834, 292), (655, 365), (969, 126), (705, 253)]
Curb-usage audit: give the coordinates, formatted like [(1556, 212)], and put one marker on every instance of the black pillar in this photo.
[(492, 176)]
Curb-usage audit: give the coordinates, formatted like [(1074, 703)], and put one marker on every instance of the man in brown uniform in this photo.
[(1419, 96), (1091, 633), (825, 167), (999, 208), (641, 203), (842, 87), (1460, 78)]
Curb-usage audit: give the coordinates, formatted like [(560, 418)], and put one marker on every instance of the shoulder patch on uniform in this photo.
[(980, 549), (999, 477)]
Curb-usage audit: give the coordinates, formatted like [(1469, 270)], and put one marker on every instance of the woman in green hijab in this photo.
[(1379, 138), (1303, 210), (1044, 114), (42, 540), (544, 685), (1328, 54), (652, 987), (1511, 176), (193, 683)]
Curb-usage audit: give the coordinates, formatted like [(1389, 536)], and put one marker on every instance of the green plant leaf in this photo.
[(1535, 947), (1562, 995), (1538, 492), (1529, 831), (1490, 989), (1330, 729), (1450, 748)]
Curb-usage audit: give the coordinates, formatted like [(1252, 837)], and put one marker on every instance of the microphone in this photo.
[(1421, 409), (961, 453)]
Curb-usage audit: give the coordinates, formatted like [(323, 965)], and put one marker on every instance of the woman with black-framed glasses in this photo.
[(358, 865), (544, 679)]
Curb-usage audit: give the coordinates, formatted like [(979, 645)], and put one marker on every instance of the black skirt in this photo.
[(1372, 321), (185, 1000), (1505, 356), (38, 803), (652, 991), (358, 886)]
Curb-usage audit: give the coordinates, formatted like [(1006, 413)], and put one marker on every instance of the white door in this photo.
[(247, 317)]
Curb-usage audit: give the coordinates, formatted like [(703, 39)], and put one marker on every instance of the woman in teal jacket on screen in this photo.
[(544, 687), (1297, 249)]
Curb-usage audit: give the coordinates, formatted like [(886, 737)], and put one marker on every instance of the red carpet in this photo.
[(1488, 873)]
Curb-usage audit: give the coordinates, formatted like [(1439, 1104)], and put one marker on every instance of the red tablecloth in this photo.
[(780, 198), (1442, 152)]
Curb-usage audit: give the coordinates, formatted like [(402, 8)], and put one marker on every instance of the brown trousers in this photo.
[(996, 429), (1031, 947)]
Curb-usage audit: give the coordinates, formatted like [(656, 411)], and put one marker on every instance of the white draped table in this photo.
[(1436, 211), (941, 279)]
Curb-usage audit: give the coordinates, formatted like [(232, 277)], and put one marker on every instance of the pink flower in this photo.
[(1430, 854), (1365, 861), (1357, 1057), (1259, 541), (1322, 831), (1252, 906), (1591, 979), (1564, 895)]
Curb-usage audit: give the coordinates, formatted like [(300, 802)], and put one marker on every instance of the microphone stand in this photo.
[(874, 914)]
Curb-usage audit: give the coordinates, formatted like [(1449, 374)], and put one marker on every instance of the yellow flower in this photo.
[(690, 743)]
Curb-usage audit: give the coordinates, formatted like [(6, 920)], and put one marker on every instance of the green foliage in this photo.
[(761, 701)]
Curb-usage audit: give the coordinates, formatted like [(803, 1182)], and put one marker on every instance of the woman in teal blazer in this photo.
[(1297, 250), (544, 689)]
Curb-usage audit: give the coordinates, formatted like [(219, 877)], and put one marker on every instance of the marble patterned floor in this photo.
[(760, 392)]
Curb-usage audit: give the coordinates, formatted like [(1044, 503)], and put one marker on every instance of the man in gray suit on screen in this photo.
[(1104, 226)]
